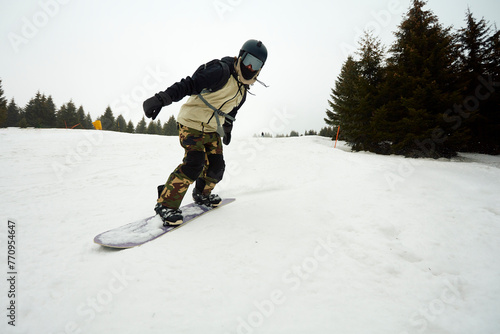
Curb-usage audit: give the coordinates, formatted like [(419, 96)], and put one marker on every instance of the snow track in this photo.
[(320, 240)]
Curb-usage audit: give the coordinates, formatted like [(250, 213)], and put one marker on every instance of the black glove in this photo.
[(153, 105), (228, 127)]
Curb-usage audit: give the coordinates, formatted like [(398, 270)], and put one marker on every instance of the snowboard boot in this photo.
[(170, 217), (211, 200)]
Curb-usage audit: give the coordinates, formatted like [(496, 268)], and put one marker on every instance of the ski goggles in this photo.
[(251, 62)]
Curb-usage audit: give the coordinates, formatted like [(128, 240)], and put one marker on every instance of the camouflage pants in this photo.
[(203, 162)]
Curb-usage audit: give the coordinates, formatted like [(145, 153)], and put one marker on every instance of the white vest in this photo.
[(195, 114)]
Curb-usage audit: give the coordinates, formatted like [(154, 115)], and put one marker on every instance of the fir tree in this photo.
[(473, 47), (23, 123), (474, 60), (85, 120), (420, 88), (141, 126), (3, 107), (152, 128), (328, 131), (494, 100), (370, 65), (159, 127), (67, 116), (121, 124), (81, 118), (356, 97), (40, 112), (31, 110), (345, 102), (13, 114), (494, 56), (108, 120), (170, 127), (49, 113), (130, 127)]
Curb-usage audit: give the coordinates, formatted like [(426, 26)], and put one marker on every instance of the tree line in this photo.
[(41, 112), (435, 93), (327, 131)]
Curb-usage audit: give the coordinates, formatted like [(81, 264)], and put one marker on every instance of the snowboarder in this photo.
[(217, 90)]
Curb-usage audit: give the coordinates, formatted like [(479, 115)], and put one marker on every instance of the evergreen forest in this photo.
[(41, 112), (434, 92)]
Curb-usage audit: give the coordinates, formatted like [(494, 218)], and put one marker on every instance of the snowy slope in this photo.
[(320, 240)]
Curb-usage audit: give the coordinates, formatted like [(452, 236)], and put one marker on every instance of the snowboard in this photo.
[(145, 230)]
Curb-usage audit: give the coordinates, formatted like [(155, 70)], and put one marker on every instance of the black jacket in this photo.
[(211, 76)]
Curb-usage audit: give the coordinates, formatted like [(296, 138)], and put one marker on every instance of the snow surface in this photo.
[(319, 240)]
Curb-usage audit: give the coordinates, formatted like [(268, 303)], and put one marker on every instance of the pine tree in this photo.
[(474, 60), (3, 108), (40, 112), (344, 101), (141, 126), (108, 120), (371, 70), (356, 97), (81, 118), (494, 100), (152, 128), (420, 88), (494, 56), (170, 127), (23, 123), (32, 111), (49, 113), (328, 131), (13, 114), (88, 122), (159, 127), (121, 124), (473, 47), (67, 116), (130, 127)]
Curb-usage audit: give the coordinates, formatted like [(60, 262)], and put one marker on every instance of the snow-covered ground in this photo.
[(319, 240)]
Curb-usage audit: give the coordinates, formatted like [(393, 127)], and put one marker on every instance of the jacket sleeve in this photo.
[(205, 78)]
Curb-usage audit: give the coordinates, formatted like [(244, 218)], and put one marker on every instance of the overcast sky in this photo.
[(117, 53)]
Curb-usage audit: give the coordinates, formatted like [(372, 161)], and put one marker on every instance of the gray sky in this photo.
[(118, 53)]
